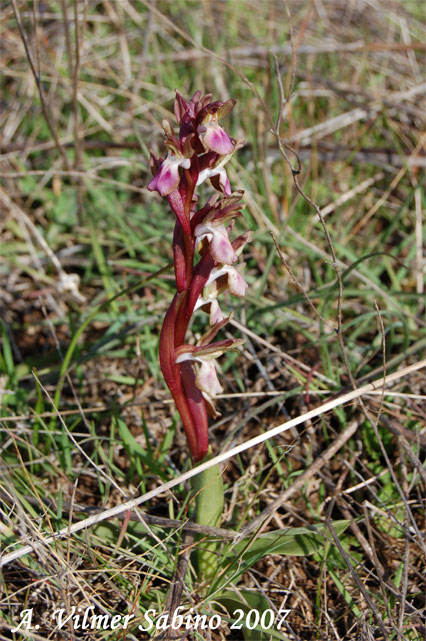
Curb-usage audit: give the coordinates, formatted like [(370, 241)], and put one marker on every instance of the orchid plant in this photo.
[(204, 256), (205, 265)]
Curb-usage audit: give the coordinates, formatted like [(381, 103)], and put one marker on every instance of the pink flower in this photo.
[(202, 357), (214, 137), (219, 244), (206, 378), (236, 283), (167, 179), (220, 279)]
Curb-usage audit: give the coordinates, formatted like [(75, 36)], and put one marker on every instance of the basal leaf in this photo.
[(298, 541)]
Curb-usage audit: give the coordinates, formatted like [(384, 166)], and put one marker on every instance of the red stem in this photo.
[(189, 259), (197, 407)]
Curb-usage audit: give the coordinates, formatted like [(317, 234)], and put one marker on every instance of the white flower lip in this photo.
[(215, 171)]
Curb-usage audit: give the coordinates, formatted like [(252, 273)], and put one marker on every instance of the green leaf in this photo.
[(344, 592), (298, 541), (134, 449), (254, 602), (65, 208), (7, 351)]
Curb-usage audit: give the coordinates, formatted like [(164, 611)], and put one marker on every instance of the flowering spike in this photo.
[(198, 153)]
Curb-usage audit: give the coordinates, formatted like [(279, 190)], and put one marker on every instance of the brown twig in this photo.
[(187, 55), (296, 282), (75, 75), (174, 596), (335, 265), (356, 578), (150, 519), (36, 75)]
